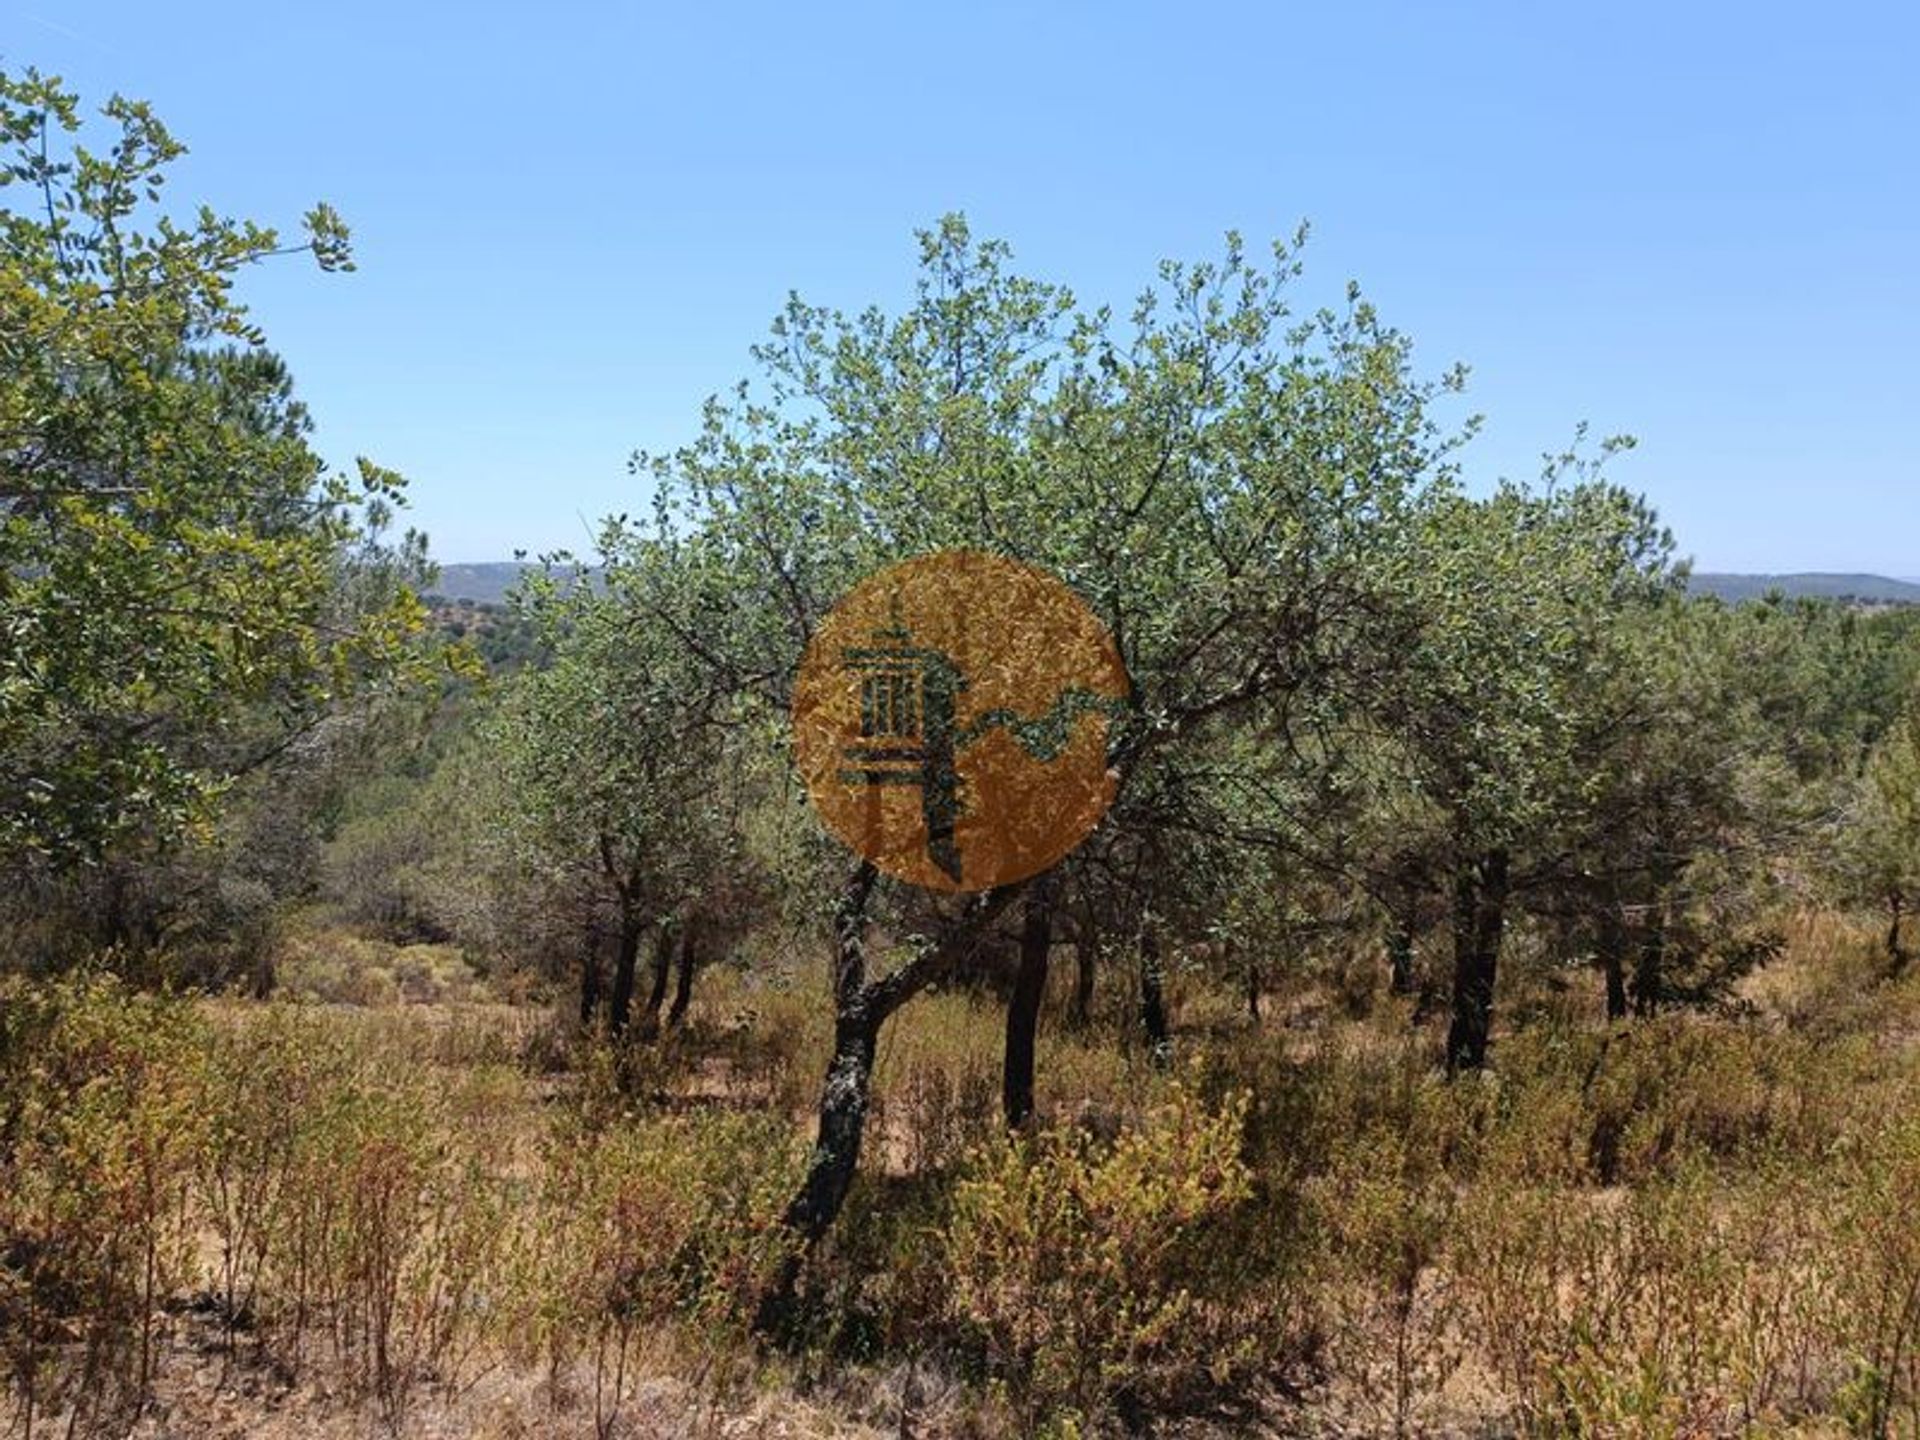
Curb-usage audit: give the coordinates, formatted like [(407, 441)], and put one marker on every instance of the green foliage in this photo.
[(1223, 482), (1879, 848), (181, 583), (610, 761), (1518, 600), (1093, 1273)]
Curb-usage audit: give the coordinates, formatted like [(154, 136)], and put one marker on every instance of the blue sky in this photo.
[(1700, 224)]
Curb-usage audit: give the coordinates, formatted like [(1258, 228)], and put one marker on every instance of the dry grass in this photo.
[(436, 1216)]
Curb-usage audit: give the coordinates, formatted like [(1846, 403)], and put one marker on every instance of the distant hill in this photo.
[(484, 584), (487, 584), (1866, 589)]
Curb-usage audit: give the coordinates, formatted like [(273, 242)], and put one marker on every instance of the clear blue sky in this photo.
[(1698, 223)]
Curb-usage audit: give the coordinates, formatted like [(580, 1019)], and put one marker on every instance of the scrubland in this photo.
[(340, 1093), (396, 1202)]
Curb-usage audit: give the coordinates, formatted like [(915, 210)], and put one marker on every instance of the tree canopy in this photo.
[(183, 582)]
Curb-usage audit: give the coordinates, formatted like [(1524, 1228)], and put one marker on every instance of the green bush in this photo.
[(1091, 1275)]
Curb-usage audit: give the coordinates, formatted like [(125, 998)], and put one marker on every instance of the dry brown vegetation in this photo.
[(443, 1215)]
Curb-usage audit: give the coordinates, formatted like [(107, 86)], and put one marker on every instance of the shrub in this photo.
[(647, 1224), (100, 1131), (1877, 1266), (1682, 1307), (351, 1200), (1384, 1209), (1090, 1275)]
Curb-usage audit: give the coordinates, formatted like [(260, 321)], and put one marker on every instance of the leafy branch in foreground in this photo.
[(183, 582)]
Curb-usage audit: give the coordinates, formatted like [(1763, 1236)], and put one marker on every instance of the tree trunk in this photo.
[(1649, 971), (1086, 951), (1153, 999), (1023, 1010), (683, 977), (1467, 1035), (662, 969), (835, 1159), (589, 983), (860, 1009), (843, 1099), (1256, 981), (1479, 920), (115, 930), (1611, 940), (1400, 956), (265, 975), (1650, 967), (843, 1119), (620, 1004), (1896, 956), (1427, 999)]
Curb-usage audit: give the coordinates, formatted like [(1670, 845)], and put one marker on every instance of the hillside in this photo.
[(1870, 589), (484, 583), (487, 582)]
